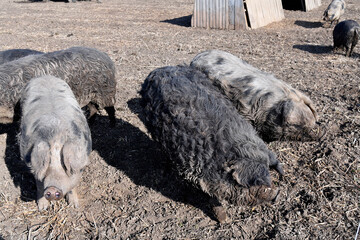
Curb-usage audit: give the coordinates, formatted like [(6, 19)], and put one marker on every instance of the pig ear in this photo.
[(286, 108), (310, 104), (302, 97), (249, 173), (74, 157), (40, 159)]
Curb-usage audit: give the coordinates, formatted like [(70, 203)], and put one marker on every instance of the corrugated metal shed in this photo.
[(236, 14), (219, 14)]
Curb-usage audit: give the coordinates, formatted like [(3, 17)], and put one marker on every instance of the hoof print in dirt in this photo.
[(207, 141)]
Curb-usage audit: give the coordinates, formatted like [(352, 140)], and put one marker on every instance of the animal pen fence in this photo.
[(243, 14)]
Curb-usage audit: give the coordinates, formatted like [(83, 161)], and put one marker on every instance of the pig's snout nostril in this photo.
[(48, 196), (58, 195), (53, 193)]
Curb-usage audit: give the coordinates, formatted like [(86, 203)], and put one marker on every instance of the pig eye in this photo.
[(48, 194), (62, 161), (27, 157)]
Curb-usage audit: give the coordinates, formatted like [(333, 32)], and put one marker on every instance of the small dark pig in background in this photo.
[(276, 110), (74, 1), (54, 140), (210, 144), (333, 12), (346, 35), (13, 54)]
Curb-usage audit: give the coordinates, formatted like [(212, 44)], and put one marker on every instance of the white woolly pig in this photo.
[(276, 110), (55, 139), (334, 11)]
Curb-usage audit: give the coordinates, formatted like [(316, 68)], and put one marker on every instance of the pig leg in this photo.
[(275, 163), (42, 202), (72, 198), (354, 42), (351, 50), (218, 210), (111, 113), (348, 51), (90, 111)]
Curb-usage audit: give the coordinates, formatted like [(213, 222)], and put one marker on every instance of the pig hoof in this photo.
[(72, 199), (43, 204), (279, 168), (220, 214)]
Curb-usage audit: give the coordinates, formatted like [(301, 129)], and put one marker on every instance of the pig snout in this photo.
[(53, 193)]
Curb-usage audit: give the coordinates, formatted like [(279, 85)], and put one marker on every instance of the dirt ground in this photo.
[(129, 191)]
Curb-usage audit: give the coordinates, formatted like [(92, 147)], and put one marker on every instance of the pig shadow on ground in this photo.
[(49, 1), (19, 172), (181, 21), (130, 150), (354, 55), (41, 1), (307, 24), (316, 49), (343, 53)]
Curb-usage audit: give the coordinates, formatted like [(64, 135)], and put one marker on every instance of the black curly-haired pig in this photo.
[(346, 35), (210, 144)]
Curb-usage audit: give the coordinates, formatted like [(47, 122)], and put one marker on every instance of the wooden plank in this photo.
[(226, 14), (231, 13), (197, 19), (239, 18), (195, 16), (311, 4), (211, 14), (223, 11), (204, 13), (217, 9), (207, 15), (222, 14), (193, 20), (263, 12)]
